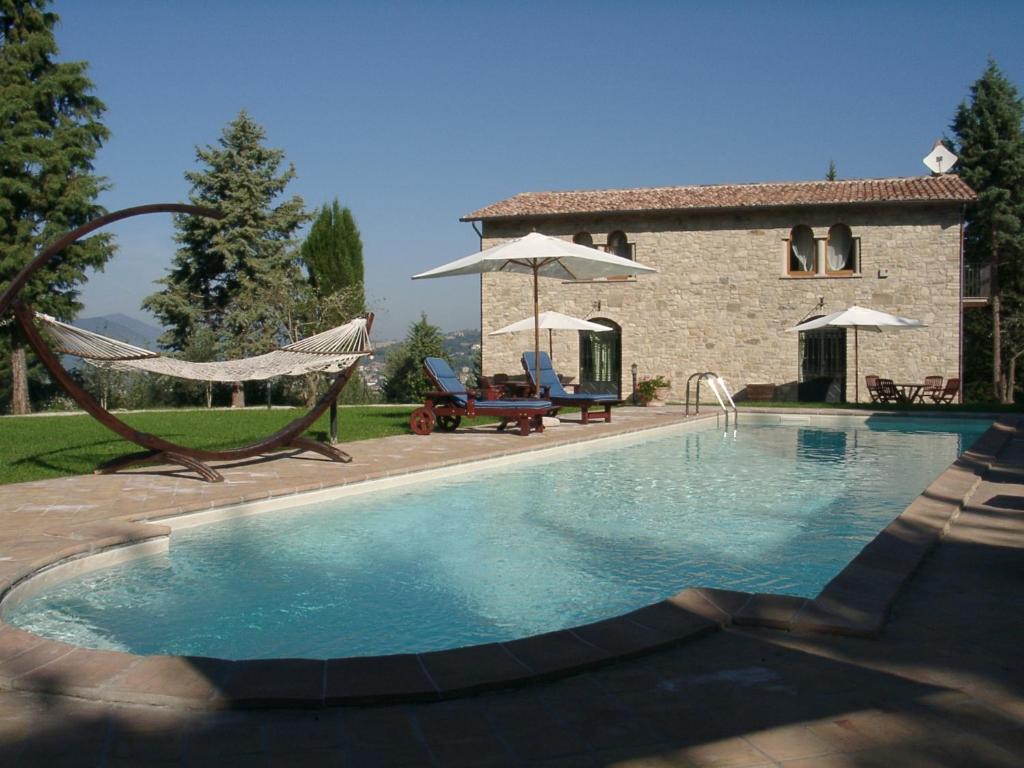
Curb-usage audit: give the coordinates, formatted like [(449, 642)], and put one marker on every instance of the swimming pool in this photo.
[(486, 557)]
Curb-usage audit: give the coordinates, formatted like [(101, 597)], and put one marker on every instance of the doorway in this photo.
[(601, 360), (823, 365)]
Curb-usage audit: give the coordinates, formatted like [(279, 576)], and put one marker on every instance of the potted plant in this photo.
[(653, 391)]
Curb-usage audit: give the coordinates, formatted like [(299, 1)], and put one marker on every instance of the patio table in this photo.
[(913, 392)]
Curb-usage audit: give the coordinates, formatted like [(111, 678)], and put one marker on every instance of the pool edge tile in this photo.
[(553, 654), (83, 673), (188, 681), (767, 610), (474, 668), (274, 683), (377, 679)]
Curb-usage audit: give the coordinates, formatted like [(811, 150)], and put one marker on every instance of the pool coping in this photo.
[(856, 602)]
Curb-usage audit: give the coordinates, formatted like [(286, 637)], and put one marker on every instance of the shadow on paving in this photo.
[(730, 699)]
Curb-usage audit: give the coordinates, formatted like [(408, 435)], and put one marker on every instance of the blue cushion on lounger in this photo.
[(552, 387)]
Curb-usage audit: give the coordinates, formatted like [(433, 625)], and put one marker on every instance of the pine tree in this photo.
[(50, 132), (403, 371), (830, 174), (990, 143), (224, 267)]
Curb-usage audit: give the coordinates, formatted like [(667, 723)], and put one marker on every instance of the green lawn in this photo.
[(38, 447)]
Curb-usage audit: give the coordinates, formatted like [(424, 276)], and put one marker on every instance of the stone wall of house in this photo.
[(722, 300)]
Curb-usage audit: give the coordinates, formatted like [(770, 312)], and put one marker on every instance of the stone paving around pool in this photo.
[(939, 683)]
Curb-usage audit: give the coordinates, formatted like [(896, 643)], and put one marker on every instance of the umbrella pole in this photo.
[(551, 349), (856, 366), (536, 332)]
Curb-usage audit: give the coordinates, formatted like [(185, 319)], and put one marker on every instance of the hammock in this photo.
[(337, 350), (328, 352)]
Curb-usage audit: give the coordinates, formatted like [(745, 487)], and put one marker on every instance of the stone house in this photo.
[(738, 265)]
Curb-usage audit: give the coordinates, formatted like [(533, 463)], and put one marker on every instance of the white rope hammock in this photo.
[(328, 352)]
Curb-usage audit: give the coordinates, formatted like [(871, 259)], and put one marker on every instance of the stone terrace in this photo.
[(942, 684)]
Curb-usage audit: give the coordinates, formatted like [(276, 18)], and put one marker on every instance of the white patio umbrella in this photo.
[(541, 256), (552, 321), (859, 317)]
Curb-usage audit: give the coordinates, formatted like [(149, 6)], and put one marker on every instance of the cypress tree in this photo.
[(223, 268), (990, 143), (333, 254), (325, 251), (50, 132), (353, 247)]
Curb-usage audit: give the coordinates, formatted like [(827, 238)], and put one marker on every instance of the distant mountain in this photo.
[(122, 328)]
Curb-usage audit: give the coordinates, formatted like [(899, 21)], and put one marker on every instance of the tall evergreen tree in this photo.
[(333, 254), (990, 143), (224, 267), (50, 132)]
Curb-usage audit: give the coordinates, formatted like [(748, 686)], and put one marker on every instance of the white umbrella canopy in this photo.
[(541, 256), (552, 321), (859, 317)]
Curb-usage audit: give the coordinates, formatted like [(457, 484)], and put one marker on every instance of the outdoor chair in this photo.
[(948, 393), (872, 383), (551, 388), (445, 407), (932, 386), (888, 392)]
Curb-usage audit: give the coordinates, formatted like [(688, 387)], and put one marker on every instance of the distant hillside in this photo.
[(463, 347), (122, 328)]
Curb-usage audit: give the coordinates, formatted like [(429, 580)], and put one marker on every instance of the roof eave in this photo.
[(712, 208)]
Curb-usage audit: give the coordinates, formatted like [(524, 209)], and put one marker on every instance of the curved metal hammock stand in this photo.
[(159, 450)]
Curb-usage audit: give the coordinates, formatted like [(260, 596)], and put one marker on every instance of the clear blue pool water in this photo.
[(529, 548)]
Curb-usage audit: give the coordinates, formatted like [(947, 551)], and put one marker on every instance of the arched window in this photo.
[(801, 251), (583, 238), (619, 245), (840, 251)]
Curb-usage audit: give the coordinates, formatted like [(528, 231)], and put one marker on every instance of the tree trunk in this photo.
[(1011, 383), (998, 377), (310, 386), (209, 394), (237, 395), (20, 404)]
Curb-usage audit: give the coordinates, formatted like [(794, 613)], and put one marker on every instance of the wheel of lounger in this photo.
[(422, 421), (448, 423)]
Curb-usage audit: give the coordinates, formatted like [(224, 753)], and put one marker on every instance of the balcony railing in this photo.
[(977, 281)]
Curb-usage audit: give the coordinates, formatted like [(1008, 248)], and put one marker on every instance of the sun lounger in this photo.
[(445, 407), (552, 389)]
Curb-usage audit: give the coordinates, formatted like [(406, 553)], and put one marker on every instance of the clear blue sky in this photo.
[(414, 114)]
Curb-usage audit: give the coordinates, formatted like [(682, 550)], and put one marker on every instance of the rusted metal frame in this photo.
[(289, 435)]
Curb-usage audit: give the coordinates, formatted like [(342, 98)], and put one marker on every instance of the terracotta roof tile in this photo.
[(918, 189)]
